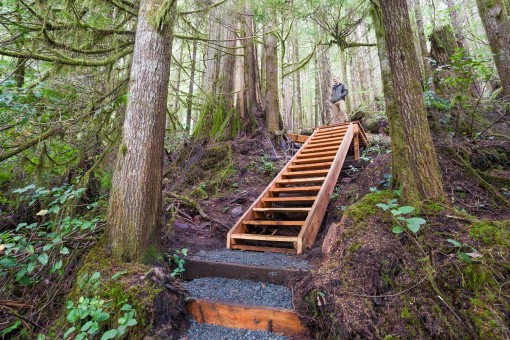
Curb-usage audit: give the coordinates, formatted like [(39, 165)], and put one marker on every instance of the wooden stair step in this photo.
[(272, 238), (330, 133), (282, 210), (275, 223), (299, 161), (333, 128), (289, 199), (320, 145), (315, 155), (232, 315), (315, 149), (301, 180), (305, 173), (326, 138), (310, 166), (295, 189)]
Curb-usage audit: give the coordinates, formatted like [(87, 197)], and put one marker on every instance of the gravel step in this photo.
[(241, 292), (254, 258), (203, 331)]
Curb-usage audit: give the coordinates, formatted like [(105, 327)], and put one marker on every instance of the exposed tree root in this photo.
[(195, 205), (478, 176)]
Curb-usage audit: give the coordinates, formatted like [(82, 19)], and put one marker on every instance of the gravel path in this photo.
[(253, 258), (241, 291), (210, 332)]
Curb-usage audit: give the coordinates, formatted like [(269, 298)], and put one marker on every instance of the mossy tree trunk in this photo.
[(427, 74), (495, 19), (415, 165), (394, 123), (189, 101), (135, 209), (273, 118)]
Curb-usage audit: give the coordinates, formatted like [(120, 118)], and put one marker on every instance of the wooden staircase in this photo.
[(287, 215)]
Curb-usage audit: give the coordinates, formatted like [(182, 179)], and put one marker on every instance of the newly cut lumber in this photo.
[(301, 180), (255, 237), (302, 155), (335, 143), (313, 160), (282, 210), (310, 166), (227, 314), (291, 190), (325, 140), (289, 199), (306, 173), (298, 138), (326, 137), (316, 149), (275, 223)]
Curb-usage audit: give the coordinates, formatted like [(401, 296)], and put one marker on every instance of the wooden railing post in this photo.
[(356, 141)]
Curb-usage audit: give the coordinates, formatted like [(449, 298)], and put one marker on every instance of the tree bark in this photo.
[(189, 101), (415, 165), (297, 81), (495, 19), (253, 97), (326, 79), (272, 103), (135, 208), (427, 74)]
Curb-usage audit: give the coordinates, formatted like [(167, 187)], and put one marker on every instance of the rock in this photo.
[(236, 212), (180, 226)]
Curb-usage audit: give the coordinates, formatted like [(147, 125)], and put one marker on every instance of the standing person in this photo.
[(338, 95)]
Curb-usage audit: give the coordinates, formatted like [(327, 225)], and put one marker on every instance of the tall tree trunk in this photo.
[(272, 104), (318, 97), (345, 80), (189, 101), (135, 208), (326, 79), (297, 81), (19, 72), (254, 100), (415, 164), (177, 84), (495, 19), (427, 75)]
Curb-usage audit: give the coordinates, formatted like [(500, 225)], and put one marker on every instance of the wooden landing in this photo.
[(287, 215), (276, 320)]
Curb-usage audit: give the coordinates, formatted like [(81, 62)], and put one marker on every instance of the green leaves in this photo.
[(43, 259), (415, 223), (411, 223)]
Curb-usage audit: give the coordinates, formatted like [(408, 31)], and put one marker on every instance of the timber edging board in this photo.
[(232, 315), (197, 268)]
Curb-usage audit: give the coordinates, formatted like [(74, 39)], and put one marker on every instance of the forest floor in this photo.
[(372, 283)]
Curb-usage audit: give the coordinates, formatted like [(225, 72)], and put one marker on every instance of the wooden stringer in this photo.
[(287, 215)]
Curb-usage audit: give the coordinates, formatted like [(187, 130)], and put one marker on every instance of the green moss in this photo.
[(123, 149), (198, 193), (153, 255), (405, 314), (432, 208), (477, 276), (127, 288), (354, 246), (492, 232), (367, 205)]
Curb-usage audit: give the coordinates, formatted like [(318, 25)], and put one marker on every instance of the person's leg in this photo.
[(335, 114), (343, 111)]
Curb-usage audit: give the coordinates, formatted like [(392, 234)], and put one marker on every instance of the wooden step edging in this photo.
[(232, 315), (196, 268)]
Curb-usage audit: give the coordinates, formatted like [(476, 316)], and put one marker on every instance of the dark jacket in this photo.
[(339, 92)]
